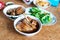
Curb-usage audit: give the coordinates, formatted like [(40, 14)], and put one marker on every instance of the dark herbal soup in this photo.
[(28, 25)]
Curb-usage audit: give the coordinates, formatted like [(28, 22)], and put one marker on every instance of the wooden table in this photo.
[(7, 31)]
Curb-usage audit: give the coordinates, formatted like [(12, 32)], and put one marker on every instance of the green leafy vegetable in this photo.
[(44, 17)]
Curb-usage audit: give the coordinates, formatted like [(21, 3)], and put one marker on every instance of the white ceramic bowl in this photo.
[(27, 34), (34, 2), (12, 7), (54, 20)]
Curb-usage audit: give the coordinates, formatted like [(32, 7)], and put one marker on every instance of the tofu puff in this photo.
[(27, 26), (42, 3)]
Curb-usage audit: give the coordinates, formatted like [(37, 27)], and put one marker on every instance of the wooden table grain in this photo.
[(7, 31)]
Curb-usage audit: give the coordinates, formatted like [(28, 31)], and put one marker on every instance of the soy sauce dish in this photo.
[(13, 11), (27, 25)]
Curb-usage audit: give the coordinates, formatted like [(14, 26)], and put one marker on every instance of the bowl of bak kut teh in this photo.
[(27, 25), (13, 11)]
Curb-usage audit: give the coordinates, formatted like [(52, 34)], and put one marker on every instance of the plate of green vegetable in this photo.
[(46, 18)]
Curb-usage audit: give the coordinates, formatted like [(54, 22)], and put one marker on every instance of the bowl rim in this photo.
[(27, 34)]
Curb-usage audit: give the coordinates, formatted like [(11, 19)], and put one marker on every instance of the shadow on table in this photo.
[(7, 24)]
